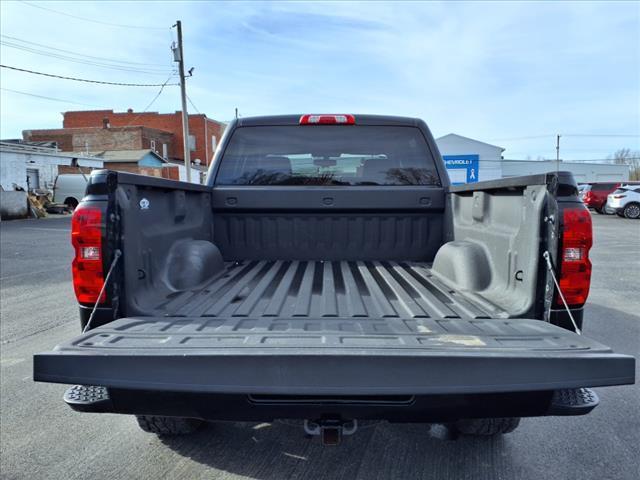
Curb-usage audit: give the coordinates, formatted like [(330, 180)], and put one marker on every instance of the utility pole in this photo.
[(557, 153), (178, 56)]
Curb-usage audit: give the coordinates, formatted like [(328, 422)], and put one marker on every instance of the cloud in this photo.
[(485, 70)]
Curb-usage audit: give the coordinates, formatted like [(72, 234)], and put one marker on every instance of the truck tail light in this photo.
[(86, 238), (328, 119), (575, 266)]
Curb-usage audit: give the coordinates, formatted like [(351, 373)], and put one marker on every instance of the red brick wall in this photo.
[(169, 122), (98, 138), (159, 137), (63, 139)]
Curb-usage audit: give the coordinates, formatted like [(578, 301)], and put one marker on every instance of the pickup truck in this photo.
[(328, 273)]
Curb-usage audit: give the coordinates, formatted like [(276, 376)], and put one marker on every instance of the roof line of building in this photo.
[(140, 114), (26, 149), (472, 139), (121, 127)]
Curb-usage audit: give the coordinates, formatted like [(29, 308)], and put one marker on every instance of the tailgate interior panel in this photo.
[(333, 356)]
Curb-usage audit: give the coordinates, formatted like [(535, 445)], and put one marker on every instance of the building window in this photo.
[(192, 142), (214, 141)]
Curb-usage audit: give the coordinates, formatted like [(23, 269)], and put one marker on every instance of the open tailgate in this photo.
[(333, 356)]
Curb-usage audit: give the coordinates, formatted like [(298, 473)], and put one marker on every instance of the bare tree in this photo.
[(625, 156)]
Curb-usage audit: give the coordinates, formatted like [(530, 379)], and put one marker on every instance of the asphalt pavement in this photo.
[(40, 437)]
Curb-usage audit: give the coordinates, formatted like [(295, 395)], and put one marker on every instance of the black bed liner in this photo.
[(356, 289), (333, 356)]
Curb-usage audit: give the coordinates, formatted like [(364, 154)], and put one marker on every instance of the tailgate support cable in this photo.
[(547, 257), (116, 255)]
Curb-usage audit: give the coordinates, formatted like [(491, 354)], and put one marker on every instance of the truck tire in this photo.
[(486, 426), (632, 210), (168, 425)]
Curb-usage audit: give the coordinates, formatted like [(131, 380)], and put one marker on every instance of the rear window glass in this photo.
[(620, 190), (327, 155)]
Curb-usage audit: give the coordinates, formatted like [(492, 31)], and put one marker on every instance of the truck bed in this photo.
[(320, 289)]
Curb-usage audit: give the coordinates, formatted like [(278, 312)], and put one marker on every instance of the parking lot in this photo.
[(42, 438)]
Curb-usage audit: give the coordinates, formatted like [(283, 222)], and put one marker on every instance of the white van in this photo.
[(69, 189)]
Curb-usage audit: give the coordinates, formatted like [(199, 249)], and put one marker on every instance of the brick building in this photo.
[(105, 138), (204, 132)]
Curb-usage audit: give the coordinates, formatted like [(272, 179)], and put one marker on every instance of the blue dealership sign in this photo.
[(462, 168)]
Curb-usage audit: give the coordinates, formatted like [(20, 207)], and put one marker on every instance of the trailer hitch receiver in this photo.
[(330, 431)]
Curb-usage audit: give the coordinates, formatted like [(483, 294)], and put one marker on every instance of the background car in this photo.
[(596, 196), (625, 201)]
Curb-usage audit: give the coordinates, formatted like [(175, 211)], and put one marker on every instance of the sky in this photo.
[(514, 74)]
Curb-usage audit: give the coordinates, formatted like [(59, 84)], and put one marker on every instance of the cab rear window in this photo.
[(327, 155)]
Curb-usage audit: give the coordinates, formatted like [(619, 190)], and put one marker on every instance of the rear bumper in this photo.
[(333, 357), (394, 408), (373, 373)]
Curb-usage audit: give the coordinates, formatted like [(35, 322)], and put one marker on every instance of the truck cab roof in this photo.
[(294, 119)]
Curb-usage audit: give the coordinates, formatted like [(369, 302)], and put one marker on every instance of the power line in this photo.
[(610, 161), (530, 137), (112, 60), (129, 123), (84, 62), (598, 135), (90, 81), (154, 98), (77, 17), (193, 105), (50, 98)]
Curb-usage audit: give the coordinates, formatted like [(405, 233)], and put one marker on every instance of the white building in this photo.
[(583, 172), (30, 167), (468, 161)]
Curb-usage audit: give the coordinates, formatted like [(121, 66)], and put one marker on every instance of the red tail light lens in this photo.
[(86, 238), (328, 119), (575, 266)]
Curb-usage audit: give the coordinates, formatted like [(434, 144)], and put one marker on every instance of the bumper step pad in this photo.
[(573, 401), (88, 398)]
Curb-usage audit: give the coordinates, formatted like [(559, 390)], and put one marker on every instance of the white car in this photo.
[(625, 201)]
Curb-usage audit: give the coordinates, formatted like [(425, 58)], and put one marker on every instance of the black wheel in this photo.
[(71, 203), (620, 214), (168, 425), (600, 210), (632, 210), (486, 426)]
